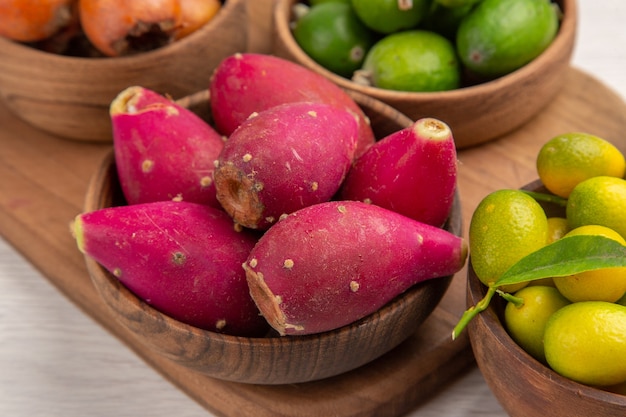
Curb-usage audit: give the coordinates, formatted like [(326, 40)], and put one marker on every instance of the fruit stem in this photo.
[(548, 198), (472, 312), (362, 77), (517, 301)]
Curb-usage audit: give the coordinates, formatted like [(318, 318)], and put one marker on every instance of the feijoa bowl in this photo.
[(476, 113)]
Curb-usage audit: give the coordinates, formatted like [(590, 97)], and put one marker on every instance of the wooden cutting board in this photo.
[(43, 180)]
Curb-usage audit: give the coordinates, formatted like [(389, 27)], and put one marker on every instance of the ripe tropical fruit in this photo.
[(505, 226), (184, 259), (412, 171), (570, 158), (389, 16), (526, 323), (248, 83), (607, 284), (163, 151), (586, 342), (120, 28), (283, 159), (330, 264), (334, 37), (195, 14), (29, 21), (598, 200), (557, 228), (414, 60), (445, 20), (455, 4), (500, 36)]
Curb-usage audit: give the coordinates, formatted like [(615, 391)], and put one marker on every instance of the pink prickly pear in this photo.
[(162, 151), (412, 171), (282, 159), (330, 264), (182, 258), (247, 83)]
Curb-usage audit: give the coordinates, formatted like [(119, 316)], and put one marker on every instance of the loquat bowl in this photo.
[(271, 359), (524, 386), (477, 113), (69, 96)]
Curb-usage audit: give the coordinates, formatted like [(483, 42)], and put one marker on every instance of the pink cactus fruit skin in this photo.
[(246, 83), (333, 263), (282, 159), (184, 259), (412, 171), (162, 151)]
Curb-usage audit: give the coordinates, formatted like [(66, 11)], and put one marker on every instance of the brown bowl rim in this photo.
[(18, 48), (492, 322), (565, 37), (435, 288), (101, 189)]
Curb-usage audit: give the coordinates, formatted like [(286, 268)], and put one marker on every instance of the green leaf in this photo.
[(566, 256), (548, 198)]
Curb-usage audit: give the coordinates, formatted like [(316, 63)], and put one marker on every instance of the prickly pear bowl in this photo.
[(477, 113), (523, 385), (69, 96), (271, 359)]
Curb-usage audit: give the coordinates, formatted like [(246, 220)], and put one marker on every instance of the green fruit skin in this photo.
[(316, 2), (494, 248), (496, 38), (334, 37), (403, 49), (445, 20), (453, 4), (384, 16)]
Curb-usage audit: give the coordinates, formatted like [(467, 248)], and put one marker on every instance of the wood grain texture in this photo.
[(35, 212), (259, 13), (44, 180), (56, 361)]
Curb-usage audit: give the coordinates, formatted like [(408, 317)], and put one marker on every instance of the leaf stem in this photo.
[(518, 301), (472, 312), (548, 198)]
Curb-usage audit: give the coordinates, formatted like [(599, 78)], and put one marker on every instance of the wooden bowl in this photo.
[(272, 359), (70, 96), (476, 114), (524, 386)]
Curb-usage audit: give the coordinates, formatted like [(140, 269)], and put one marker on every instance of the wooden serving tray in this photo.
[(42, 185)]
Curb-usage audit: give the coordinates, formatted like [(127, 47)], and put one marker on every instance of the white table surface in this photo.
[(56, 361)]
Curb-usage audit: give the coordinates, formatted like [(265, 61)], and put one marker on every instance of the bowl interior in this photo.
[(476, 113), (272, 359), (523, 385), (70, 96)]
